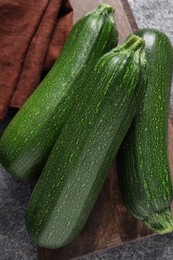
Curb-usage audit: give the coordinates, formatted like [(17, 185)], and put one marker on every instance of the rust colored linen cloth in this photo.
[(32, 34)]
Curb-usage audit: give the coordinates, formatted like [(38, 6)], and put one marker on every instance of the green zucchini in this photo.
[(28, 140), (82, 155), (143, 166)]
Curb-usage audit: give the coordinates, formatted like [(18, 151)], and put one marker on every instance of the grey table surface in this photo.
[(15, 243)]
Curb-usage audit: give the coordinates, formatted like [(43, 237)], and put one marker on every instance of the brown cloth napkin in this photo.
[(32, 34)]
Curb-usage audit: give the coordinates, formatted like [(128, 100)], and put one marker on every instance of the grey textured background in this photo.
[(15, 244)]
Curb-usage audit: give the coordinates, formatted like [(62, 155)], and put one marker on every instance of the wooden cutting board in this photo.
[(109, 224)]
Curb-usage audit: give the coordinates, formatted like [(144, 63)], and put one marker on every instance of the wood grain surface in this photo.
[(109, 224)]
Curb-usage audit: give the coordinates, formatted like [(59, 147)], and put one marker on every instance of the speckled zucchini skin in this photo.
[(143, 166), (78, 164), (27, 141)]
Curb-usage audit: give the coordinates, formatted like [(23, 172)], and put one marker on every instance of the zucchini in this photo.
[(82, 155), (143, 166), (29, 138)]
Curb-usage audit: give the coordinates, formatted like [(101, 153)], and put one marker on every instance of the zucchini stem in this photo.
[(161, 223), (133, 42), (105, 8)]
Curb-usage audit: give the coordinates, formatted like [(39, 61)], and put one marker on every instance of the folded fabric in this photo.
[(32, 35)]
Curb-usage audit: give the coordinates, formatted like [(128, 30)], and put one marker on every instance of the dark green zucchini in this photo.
[(27, 141), (78, 164), (143, 165)]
